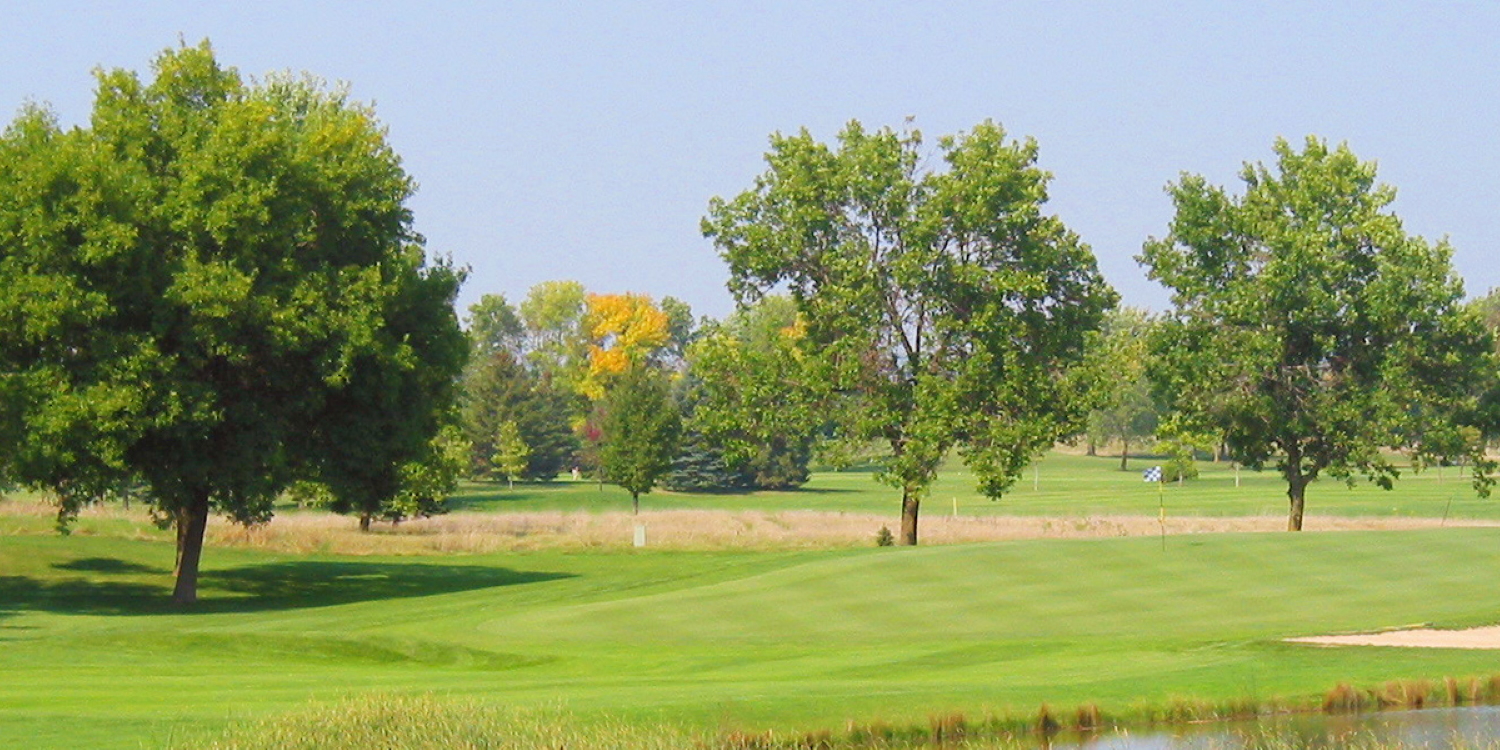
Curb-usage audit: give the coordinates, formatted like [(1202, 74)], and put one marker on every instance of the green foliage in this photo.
[(557, 346), (942, 308), (1488, 310), (778, 464), (494, 326), (1486, 414), (640, 431), (511, 451), (884, 538), (1181, 447), (424, 485), (305, 493), (700, 467), (753, 395), (681, 331), (1116, 363), (497, 389), (1310, 329), (214, 289), (427, 483)]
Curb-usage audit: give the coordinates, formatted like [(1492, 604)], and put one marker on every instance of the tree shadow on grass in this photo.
[(80, 596), (252, 588), (804, 490), (109, 565), (291, 585)]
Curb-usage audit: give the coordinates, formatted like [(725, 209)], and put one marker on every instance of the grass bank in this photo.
[(410, 722)]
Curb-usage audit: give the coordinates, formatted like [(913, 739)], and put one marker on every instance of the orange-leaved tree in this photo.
[(624, 330)]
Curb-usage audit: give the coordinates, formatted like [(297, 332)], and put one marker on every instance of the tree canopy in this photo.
[(1125, 408), (640, 431), (214, 289), (942, 305), (623, 331), (1309, 328), (751, 398)]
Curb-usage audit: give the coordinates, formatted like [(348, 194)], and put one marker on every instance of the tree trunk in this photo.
[(364, 522), (1093, 449), (191, 522), (635, 503), (909, 505), (1297, 493), (181, 529), (1124, 453), (1296, 490)]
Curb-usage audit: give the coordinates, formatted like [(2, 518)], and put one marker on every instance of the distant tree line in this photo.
[(551, 373)]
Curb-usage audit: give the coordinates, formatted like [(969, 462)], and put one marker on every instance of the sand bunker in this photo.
[(1475, 638)]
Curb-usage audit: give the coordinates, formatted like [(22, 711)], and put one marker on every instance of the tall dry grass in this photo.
[(386, 722), (455, 533), (394, 722), (701, 530)]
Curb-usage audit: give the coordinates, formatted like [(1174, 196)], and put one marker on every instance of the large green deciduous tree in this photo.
[(1309, 328), (1487, 414), (211, 290), (943, 304)]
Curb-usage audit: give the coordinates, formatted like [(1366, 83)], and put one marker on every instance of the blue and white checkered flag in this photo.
[(1152, 474)]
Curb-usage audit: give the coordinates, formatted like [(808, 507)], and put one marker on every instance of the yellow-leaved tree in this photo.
[(624, 330)]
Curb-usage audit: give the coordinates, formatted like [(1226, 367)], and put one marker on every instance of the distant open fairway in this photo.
[(1060, 485), (93, 656)]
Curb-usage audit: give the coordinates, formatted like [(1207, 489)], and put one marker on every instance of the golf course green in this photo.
[(94, 655)]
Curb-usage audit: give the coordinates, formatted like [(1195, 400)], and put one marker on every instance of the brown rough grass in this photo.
[(459, 533), (706, 530)]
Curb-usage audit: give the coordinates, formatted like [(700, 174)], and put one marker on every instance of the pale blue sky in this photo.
[(583, 140)]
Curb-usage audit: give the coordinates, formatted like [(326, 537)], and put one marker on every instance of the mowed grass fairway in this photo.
[(1060, 484), (92, 655)]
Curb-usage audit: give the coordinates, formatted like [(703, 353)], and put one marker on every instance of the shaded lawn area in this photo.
[(109, 585)]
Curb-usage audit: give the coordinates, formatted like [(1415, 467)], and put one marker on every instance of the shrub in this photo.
[(949, 728), (1046, 723), (1089, 718), (1344, 699)]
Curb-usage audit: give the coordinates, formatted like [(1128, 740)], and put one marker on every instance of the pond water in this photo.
[(1431, 729)]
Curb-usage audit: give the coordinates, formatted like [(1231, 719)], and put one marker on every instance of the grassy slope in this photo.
[(91, 656)]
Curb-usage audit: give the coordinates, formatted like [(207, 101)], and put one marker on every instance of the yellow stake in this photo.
[(1161, 515)]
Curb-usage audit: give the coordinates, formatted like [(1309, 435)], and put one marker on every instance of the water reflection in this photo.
[(1431, 729)]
